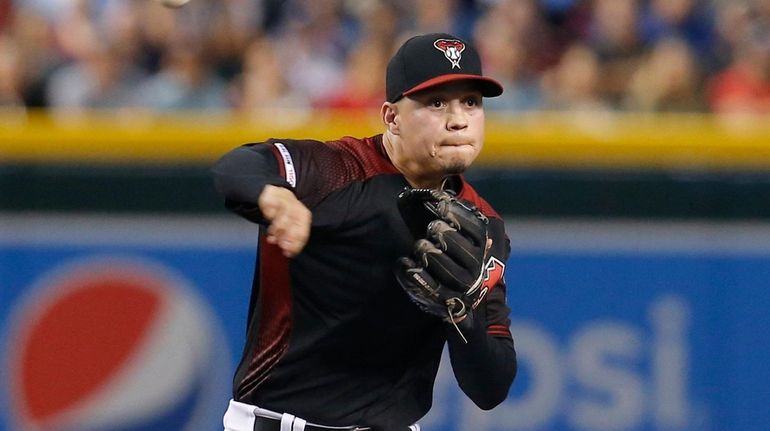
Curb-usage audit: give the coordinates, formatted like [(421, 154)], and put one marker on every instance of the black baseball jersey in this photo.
[(332, 337)]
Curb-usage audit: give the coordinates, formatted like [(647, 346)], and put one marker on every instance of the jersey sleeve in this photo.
[(484, 363), (242, 174), (495, 309), (496, 312)]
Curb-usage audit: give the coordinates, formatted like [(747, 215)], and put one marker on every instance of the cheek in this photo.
[(478, 125), (420, 136)]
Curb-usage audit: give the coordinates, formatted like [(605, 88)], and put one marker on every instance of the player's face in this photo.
[(442, 127)]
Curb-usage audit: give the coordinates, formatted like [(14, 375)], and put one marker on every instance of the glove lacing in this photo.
[(454, 317)]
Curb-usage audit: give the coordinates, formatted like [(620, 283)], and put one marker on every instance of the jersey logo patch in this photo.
[(452, 49), (493, 273), (288, 164)]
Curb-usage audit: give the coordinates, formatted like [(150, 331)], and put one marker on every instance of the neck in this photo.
[(410, 169)]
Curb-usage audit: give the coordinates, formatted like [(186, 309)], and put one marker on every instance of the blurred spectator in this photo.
[(33, 37), (762, 7), (666, 81), (98, 82), (733, 17), (184, 82), (744, 87), (689, 20), (10, 76), (657, 55), (313, 46), (364, 83), (262, 84), (614, 37), (6, 10), (232, 26), (98, 77), (47, 10), (504, 37), (566, 22), (527, 24), (379, 21), (573, 85), (435, 16), (95, 67)]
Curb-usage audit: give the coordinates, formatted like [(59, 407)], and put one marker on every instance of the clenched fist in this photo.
[(289, 219)]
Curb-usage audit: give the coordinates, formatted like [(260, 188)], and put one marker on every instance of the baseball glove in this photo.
[(444, 275)]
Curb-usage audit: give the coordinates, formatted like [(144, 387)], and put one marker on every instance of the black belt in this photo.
[(268, 424)]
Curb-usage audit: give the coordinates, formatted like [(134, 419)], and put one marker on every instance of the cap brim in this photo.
[(488, 86)]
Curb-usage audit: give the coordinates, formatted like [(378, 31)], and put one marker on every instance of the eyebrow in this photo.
[(451, 94)]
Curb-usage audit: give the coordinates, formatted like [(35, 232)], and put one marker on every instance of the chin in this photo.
[(456, 168)]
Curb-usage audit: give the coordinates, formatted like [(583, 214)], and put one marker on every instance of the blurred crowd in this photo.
[(245, 55)]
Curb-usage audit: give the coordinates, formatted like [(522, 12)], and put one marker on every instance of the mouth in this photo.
[(456, 144)]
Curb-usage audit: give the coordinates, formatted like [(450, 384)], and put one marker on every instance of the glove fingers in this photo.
[(419, 206), (442, 267), (412, 205), (456, 246), (420, 287), (411, 196), (411, 272), (466, 218)]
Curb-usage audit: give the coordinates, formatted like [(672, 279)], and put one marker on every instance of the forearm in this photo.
[(485, 366), (242, 174)]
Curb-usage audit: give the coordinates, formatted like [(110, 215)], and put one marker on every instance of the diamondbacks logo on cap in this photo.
[(452, 49)]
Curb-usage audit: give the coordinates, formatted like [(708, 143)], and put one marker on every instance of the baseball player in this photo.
[(373, 253)]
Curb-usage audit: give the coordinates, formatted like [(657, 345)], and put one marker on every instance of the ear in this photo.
[(389, 115)]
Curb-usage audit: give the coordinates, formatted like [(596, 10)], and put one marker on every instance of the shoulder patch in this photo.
[(288, 171)]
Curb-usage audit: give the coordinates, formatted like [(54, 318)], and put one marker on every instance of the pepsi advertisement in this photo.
[(137, 323)]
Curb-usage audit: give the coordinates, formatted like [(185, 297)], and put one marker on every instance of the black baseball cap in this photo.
[(432, 59)]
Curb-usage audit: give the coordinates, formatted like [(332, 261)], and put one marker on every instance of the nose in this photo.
[(456, 117)]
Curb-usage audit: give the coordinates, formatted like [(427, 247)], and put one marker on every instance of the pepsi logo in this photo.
[(115, 344)]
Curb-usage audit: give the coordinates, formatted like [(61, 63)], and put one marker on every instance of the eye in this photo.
[(473, 101), (436, 103)]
